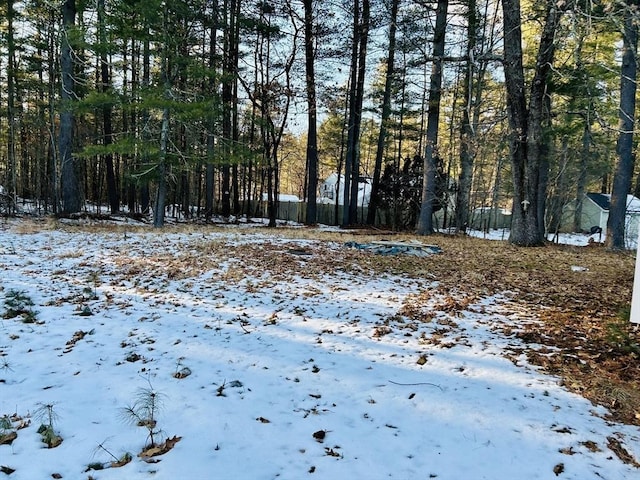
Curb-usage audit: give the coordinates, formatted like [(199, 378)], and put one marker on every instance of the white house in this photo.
[(330, 191), (595, 213)]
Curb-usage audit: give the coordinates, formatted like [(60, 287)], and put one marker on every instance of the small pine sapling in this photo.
[(18, 304), (144, 412), (46, 414), (94, 278)]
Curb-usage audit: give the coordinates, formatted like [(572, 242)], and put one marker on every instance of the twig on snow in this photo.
[(420, 383)]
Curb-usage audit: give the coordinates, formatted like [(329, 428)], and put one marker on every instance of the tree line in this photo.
[(215, 107)]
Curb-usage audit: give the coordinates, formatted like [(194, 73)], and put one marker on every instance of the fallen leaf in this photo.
[(160, 449), (8, 438)]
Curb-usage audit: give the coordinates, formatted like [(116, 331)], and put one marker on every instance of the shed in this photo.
[(329, 192), (595, 212), (484, 218)]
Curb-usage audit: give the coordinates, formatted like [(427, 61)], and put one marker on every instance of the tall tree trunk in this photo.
[(386, 114), (467, 134), (12, 185), (351, 118), (53, 176), (312, 129), (209, 169), (163, 166), (229, 80), (363, 38), (624, 166), (107, 129), (527, 135), (425, 219), (161, 192), (546, 146), (145, 195), (70, 183)]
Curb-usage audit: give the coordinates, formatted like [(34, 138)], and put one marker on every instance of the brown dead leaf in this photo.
[(8, 438), (622, 453), (160, 449)]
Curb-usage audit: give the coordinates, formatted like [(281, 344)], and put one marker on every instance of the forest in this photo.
[(216, 108)]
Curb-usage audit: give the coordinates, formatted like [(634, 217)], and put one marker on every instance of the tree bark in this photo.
[(467, 134), (209, 194), (363, 38), (425, 219), (527, 134), (107, 129), (312, 129), (70, 183), (386, 114), (12, 184), (352, 118), (624, 165)]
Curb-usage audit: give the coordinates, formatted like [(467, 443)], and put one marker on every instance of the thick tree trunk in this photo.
[(527, 134), (624, 166), (145, 195), (228, 88), (425, 219)]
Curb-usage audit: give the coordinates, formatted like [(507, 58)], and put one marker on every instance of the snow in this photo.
[(293, 350), (577, 239)]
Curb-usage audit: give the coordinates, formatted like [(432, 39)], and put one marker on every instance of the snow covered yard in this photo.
[(271, 358)]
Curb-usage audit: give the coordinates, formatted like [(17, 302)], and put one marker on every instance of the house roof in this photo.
[(603, 200)]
